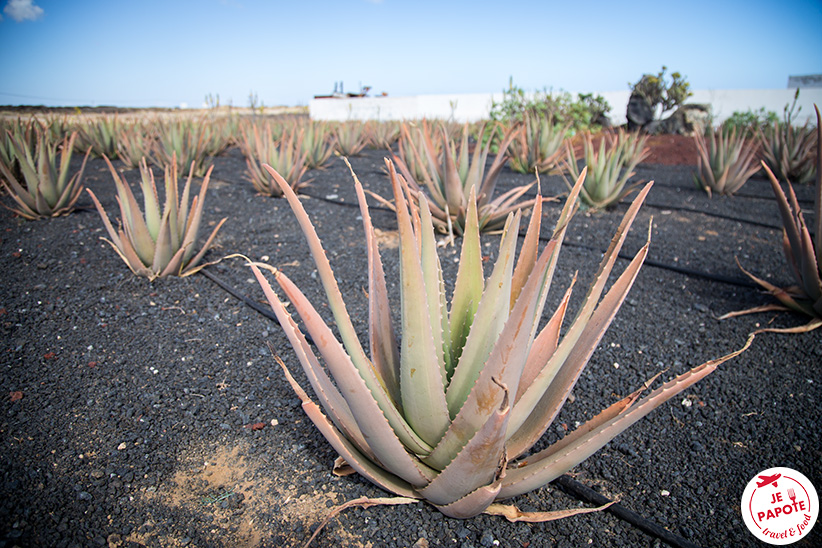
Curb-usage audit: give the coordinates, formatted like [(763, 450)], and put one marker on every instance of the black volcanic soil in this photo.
[(153, 414)]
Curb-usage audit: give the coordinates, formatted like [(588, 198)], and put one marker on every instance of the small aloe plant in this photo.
[(539, 147), (161, 242), (46, 190), (318, 144), (787, 149), (609, 168), (725, 161), (350, 138), (450, 173), (285, 154), (100, 134), (448, 409)]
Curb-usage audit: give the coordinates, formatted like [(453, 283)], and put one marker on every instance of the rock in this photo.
[(639, 112), (686, 120)]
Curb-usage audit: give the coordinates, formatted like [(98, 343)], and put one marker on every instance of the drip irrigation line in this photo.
[(576, 489), (665, 266), (237, 295), (564, 482), (715, 215)]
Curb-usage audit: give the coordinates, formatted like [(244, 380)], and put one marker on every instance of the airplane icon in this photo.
[(767, 480)]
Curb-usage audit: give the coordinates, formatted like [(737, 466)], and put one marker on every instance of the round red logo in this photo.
[(780, 506)]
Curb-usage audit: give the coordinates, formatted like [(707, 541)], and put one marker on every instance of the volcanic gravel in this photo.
[(139, 413)]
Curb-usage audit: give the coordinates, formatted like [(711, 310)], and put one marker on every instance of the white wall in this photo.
[(476, 106)]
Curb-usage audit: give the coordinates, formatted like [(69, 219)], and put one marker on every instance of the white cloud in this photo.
[(23, 10)]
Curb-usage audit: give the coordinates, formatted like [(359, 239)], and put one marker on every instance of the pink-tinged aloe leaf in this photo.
[(490, 182), (129, 254), (190, 267), (477, 464), (350, 340), (818, 194), (574, 437), (489, 321), (452, 183), (550, 464), (383, 340), (376, 430), (422, 373), (473, 503), (529, 250), (434, 289), (330, 397), (541, 402), (782, 295), (162, 247), (515, 515), (194, 218), (367, 469), (106, 221), (469, 284), (545, 344), (173, 267), (789, 217)]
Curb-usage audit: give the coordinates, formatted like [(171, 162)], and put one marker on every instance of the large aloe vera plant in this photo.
[(447, 408), (45, 188), (160, 242)]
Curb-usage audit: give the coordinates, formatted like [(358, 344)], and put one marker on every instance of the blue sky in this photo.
[(169, 53)]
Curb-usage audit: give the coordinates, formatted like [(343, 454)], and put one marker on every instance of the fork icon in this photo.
[(792, 495)]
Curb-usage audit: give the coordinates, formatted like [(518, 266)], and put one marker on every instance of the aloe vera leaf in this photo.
[(478, 463), (133, 222), (162, 247), (538, 407), (73, 189), (106, 221), (469, 284), (473, 503), (422, 373), (780, 294), (435, 289), (490, 182), (372, 422), (347, 450), (193, 219), (489, 321), (538, 472), (330, 397), (346, 328), (545, 344), (190, 266), (383, 340), (452, 183)]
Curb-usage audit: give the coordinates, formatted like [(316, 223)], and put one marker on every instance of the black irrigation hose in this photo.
[(565, 482), (715, 215), (664, 266), (585, 493)]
